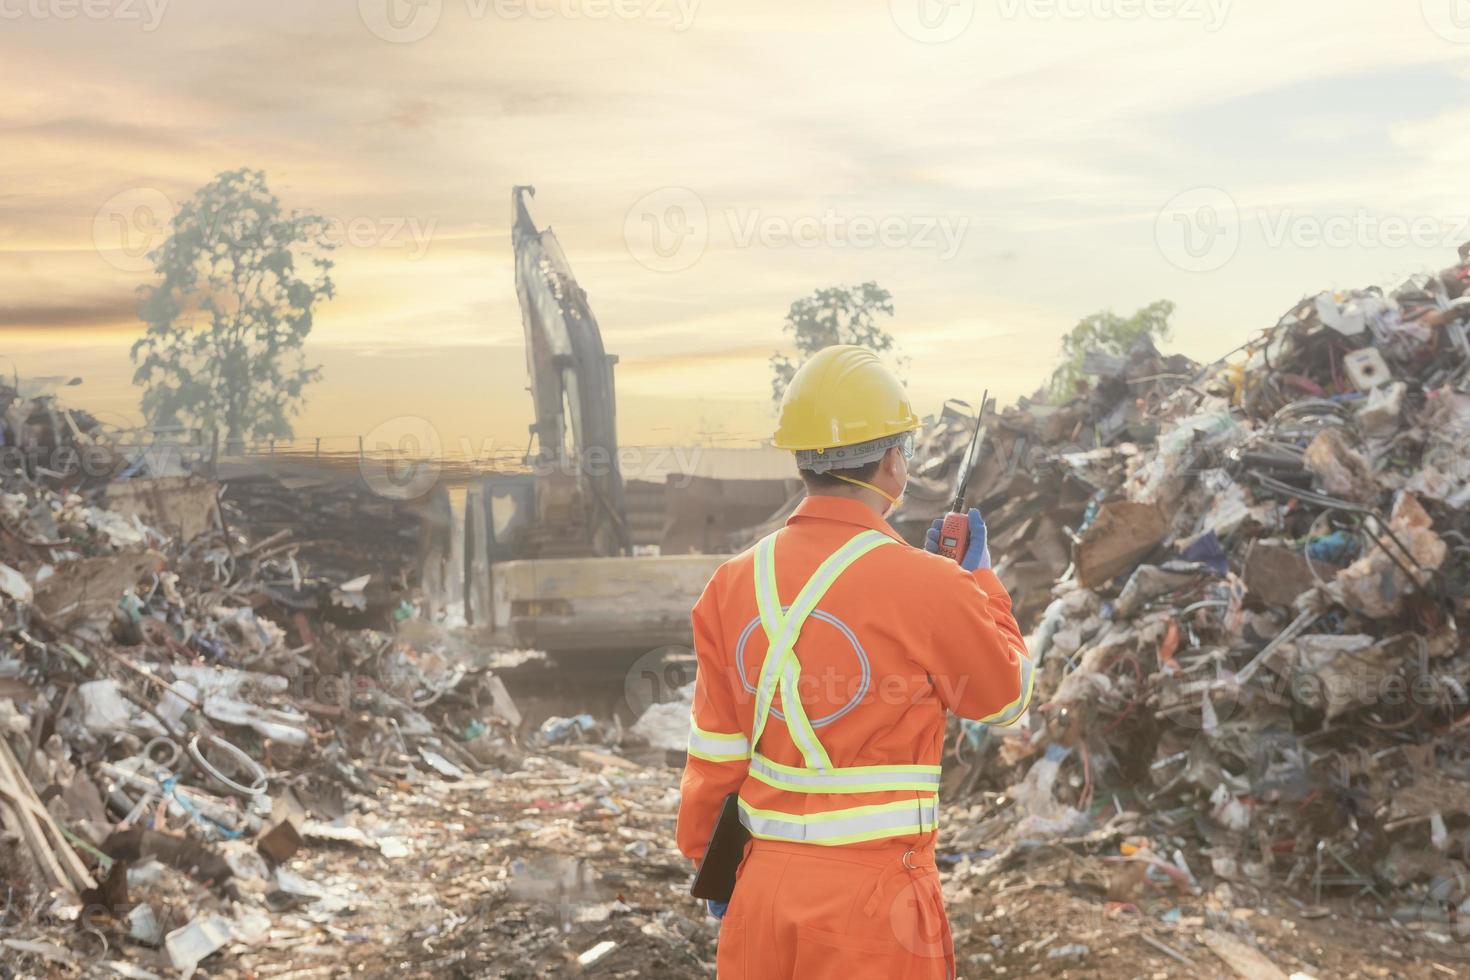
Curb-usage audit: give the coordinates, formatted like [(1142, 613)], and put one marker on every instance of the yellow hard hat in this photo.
[(843, 396)]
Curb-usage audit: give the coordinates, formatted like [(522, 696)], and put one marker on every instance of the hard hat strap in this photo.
[(866, 486)]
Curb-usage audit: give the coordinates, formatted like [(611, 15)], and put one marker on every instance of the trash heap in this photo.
[(1031, 473), (195, 755), (1253, 669)]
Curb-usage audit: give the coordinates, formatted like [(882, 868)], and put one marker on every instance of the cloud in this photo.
[(119, 313)]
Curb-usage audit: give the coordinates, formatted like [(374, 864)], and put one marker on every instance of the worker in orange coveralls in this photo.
[(828, 655)]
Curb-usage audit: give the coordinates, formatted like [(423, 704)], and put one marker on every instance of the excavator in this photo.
[(549, 563), (580, 508)]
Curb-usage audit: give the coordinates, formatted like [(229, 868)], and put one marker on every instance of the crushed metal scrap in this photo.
[(1255, 676)]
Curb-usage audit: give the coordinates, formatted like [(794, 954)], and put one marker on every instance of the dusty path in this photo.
[(517, 876)]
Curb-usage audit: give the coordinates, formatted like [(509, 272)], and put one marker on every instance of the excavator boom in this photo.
[(580, 503)]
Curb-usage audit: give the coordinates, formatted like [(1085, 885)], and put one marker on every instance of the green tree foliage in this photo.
[(1107, 331), (836, 315), (226, 323)]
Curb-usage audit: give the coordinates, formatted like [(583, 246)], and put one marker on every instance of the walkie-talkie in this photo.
[(954, 533)]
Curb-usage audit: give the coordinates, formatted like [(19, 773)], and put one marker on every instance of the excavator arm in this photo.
[(579, 489)]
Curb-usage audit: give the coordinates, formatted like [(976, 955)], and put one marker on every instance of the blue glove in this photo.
[(978, 554), (717, 909)]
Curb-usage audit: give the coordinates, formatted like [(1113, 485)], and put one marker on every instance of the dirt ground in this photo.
[(516, 877)]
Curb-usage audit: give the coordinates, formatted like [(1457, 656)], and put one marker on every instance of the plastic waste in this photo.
[(1337, 548), (191, 945), (555, 730)]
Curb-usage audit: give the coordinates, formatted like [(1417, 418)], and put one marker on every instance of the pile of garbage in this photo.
[(1253, 670), (180, 717), (1025, 479)]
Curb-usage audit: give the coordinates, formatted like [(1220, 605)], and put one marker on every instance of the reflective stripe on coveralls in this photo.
[(782, 670), (1012, 712), (852, 779), (717, 746)]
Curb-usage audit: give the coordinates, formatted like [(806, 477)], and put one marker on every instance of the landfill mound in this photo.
[(1026, 478), (230, 742), (199, 765), (1252, 670)]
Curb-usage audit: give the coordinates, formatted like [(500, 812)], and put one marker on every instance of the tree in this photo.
[(1109, 332), (227, 321), (836, 315)]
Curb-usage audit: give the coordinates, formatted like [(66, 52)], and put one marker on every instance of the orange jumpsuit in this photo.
[(839, 880)]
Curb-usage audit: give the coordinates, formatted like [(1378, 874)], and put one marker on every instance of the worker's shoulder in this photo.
[(919, 566), (739, 565)]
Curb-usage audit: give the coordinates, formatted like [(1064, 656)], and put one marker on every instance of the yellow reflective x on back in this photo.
[(782, 627), (781, 671)]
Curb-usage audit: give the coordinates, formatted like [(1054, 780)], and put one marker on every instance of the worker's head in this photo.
[(850, 423)]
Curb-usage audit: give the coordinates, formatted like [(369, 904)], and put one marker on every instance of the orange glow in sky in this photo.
[(1003, 173)]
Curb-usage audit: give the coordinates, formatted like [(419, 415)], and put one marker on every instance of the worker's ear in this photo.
[(893, 463)]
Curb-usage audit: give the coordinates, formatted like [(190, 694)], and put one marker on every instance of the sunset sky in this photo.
[(1004, 167)]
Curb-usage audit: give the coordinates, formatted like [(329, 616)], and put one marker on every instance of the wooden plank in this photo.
[(32, 836), (33, 811), (1248, 963), (1122, 536)]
